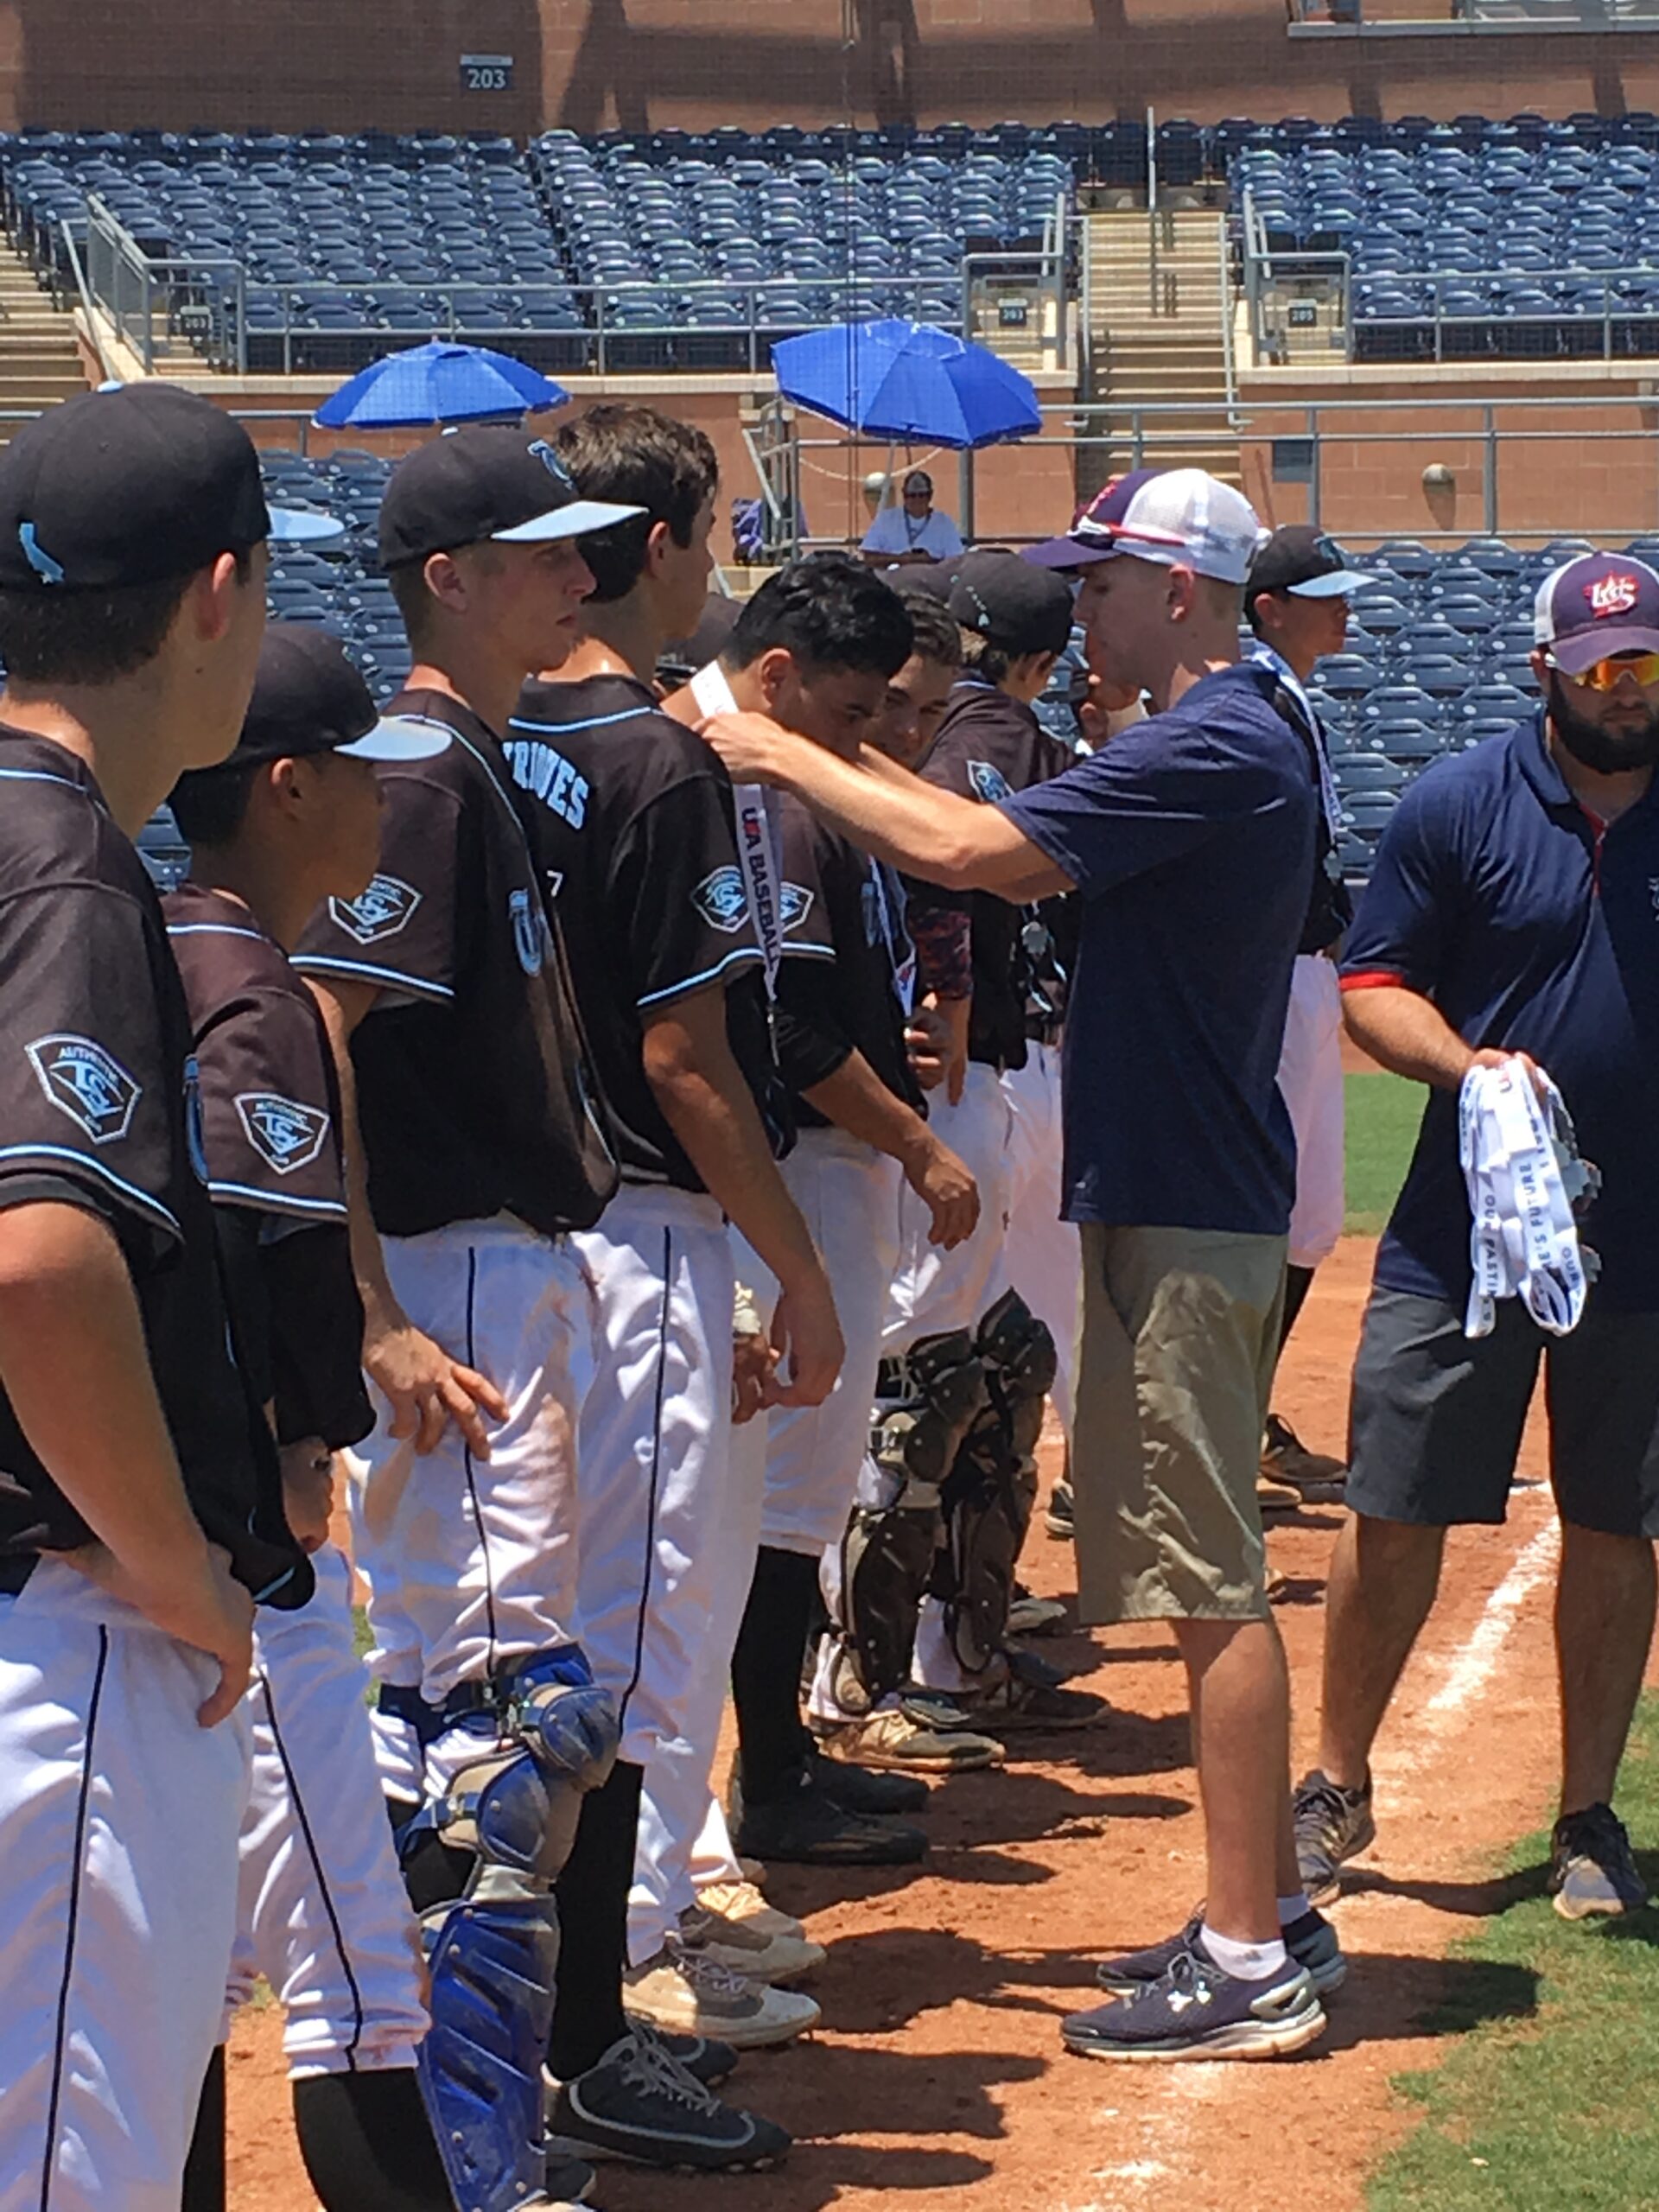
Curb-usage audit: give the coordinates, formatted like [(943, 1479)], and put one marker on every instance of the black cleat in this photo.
[(809, 1828), (638, 2103)]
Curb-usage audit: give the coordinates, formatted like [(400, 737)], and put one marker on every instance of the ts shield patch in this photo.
[(87, 1084), (380, 911), (989, 781), (721, 899), (527, 939), (796, 904), (285, 1132)]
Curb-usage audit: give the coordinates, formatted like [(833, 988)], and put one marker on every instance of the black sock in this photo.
[(766, 1672), (592, 1894), (204, 2168), (1297, 1282), (367, 2143)]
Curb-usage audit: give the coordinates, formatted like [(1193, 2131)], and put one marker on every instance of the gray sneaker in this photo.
[(1333, 1825), (638, 2103), (1311, 1942), (1593, 1869)]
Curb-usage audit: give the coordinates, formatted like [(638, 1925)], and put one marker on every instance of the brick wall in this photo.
[(395, 64)]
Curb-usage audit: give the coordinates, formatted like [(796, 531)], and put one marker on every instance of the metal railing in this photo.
[(213, 309), (1393, 17), (93, 320)]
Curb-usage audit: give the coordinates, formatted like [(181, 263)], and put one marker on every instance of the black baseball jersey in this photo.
[(988, 746), (99, 1109), (846, 962), (634, 830), (270, 1133), (474, 1093)]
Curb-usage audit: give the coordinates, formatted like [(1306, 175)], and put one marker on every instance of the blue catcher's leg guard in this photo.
[(493, 1952)]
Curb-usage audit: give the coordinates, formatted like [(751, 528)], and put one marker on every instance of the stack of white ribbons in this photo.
[(1520, 1164)]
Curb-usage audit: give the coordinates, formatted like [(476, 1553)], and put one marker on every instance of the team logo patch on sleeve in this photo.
[(285, 1132), (529, 929), (989, 781), (385, 907), (722, 900), (87, 1084), (796, 903)]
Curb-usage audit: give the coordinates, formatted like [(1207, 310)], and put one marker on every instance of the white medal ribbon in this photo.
[(754, 816), (901, 953), (1330, 798), (1519, 1155)]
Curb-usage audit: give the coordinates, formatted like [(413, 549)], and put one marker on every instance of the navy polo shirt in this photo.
[(1534, 928), (1191, 836)]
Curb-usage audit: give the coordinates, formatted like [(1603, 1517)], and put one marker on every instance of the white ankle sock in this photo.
[(1292, 1909), (1244, 1961)]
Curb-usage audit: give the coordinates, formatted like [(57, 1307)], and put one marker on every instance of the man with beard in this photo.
[(1513, 912)]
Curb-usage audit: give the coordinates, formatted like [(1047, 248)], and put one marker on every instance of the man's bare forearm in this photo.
[(1406, 1033), (76, 1369), (856, 1100)]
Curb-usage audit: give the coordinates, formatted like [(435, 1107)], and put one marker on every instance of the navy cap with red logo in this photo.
[(1175, 517), (133, 485), (1598, 606)]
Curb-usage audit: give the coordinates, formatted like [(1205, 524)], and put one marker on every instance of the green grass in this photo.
[(1383, 1111), (1551, 2102)]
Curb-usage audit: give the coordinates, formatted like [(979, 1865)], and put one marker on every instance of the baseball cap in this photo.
[(706, 642), (1177, 516), (133, 485), (490, 480), (932, 579), (1302, 561), (308, 698), (918, 479), (1596, 605), (1013, 605)]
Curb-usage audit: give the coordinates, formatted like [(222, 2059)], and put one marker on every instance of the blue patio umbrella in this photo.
[(908, 381), (437, 383)]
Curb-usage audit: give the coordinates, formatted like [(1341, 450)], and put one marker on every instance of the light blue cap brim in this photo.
[(302, 526), (1341, 583), (400, 737)]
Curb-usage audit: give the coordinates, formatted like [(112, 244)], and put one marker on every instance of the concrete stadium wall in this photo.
[(642, 64)]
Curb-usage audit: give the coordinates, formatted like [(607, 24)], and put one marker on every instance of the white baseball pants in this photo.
[(322, 1912), (1309, 1080), (478, 1559), (1044, 1253), (933, 1290), (118, 1820)]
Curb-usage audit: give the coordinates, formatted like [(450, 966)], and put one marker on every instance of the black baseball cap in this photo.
[(1302, 561), (133, 485), (931, 579), (707, 642), (489, 480), (1014, 605), (308, 698)]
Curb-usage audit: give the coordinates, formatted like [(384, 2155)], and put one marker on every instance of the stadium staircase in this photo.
[(39, 361), (1156, 342)]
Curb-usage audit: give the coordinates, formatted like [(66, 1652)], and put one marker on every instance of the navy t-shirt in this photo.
[(1533, 928), (1191, 836)]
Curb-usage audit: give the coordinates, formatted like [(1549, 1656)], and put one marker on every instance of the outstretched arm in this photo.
[(914, 826)]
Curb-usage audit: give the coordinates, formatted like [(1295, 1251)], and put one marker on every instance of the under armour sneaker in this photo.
[(890, 1739), (807, 1827), (689, 1993), (1317, 1477), (1311, 1940), (1060, 1517), (1593, 1869), (1196, 2011), (638, 2103), (1029, 1616), (1333, 1825), (770, 1954), (860, 1789)]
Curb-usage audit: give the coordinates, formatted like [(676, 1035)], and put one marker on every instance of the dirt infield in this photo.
[(936, 2079)]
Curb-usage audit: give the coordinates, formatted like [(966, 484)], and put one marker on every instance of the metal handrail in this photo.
[(93, 319), (1225, 287)]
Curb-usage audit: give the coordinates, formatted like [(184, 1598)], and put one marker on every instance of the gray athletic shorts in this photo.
[(1437, 1416)]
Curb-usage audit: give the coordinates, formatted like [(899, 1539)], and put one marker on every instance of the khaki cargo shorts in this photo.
[(1179, 1338)]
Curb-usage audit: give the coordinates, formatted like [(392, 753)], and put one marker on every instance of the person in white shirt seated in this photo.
[(915, 532)]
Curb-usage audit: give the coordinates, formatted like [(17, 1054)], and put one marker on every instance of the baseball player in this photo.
[(481, 1129), (1297, 603), (1016, 620), (292, 818), (140, 1508), (670, 979), (818, 645)]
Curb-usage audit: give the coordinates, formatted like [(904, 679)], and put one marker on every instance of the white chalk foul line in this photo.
[(1476, 1661)]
